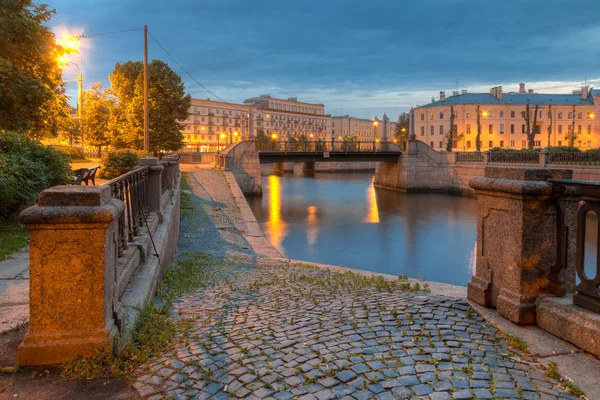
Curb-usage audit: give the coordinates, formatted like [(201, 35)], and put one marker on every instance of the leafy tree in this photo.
[(401, 132), (452, 127), (96, 115), (530, 129), (478, 138), (167, 105), (32, 93)]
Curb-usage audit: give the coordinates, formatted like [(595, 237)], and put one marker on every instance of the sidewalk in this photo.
[(14, 291)]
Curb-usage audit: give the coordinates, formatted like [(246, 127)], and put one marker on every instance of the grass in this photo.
[(552, 371), (515, 342), (13, 237), (566, 383)]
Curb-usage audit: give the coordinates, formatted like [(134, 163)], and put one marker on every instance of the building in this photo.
[(502, 122), (360, 128), (213, 124), (284, 118)]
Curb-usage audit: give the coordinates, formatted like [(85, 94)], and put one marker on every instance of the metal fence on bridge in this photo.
[(333, 146)]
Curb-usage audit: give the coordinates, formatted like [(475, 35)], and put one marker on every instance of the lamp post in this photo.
[(375, 125), (63, 60)]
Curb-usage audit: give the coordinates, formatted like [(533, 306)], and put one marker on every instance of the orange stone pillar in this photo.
[(73, 257)]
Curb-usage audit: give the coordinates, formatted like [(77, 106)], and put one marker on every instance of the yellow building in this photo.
[(360, 128), (502, 122)]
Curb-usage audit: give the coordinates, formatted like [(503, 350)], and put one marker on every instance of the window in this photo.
[(523, 128), (468, 129), (441, 129), (431, 116), (491, 144), (501, 114), (589, 130), (431, 144), (501, 128), (422, 116), (560, 129), (490, 114), (422, 131), (560, 115), (560, 142), (454, 144), (468, 114), (441, 144), (579, 129), (491, 128), (502, 143), (195, 109), (524, 143), (579, 115), (512, 143), (570, 129), (537, 143), (441, 115), (512, 114), (202, 109), (589, 143), (431, 130), (541, 114), (579, 143), (512, 128), (570, 115), (468, 144)]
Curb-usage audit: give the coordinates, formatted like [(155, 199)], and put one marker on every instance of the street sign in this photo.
[(325, 154)]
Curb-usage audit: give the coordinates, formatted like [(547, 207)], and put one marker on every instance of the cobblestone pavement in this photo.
[(282, 331)]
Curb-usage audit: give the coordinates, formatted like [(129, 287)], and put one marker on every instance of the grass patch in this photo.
[(187, 275), (566, 383), (186, 199), (13, 237), (515, 342), (552, 371)]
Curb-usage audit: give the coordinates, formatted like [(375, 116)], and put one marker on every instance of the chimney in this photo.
[(530, 91), (455, 93), (584, 93), (442, 96), (499, 92), (464, 91), (521, 88)]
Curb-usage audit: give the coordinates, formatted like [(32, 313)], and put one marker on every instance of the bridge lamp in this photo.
[(311, 135), (274, 136), (485, 114), (376, 122), (377, 140)]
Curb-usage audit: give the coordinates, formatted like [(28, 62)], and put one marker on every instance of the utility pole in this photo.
[(146, 135), (80, 105)]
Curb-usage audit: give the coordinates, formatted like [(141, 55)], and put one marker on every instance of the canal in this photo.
[(341, 219)]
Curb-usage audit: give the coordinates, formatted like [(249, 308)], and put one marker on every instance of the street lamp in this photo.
[(219, 137), (274, 136), (235, 134), (62, 60)]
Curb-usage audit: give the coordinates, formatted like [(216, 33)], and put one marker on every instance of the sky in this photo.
[(358, 57)]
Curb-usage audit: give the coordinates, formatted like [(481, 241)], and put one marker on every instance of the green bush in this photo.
[(26, 168), (118, 162), (563, 149), (74, 153)]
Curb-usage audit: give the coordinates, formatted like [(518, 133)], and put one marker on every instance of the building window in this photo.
[(468, 129), (560, 129), (579, 129), (431, 130), (501, 114), (441, 144), (468, 144), (537, 143), (422, 116), (431, 144), (431, 116), (422, 131), (589, 129), (570, 115), (512, 143), (570, 129), (502, 143), (468, 114), (441, 129), (491, 144), (560, 115), (512, 128), (491, 128), (523, 128), (490, 114), (541, 114), (560, 143), (524, 143), (501, 128), (512, 114), (441, 115), (579, 115)]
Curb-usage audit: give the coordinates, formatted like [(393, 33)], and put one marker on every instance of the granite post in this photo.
[(516, 239), (73, 257), (154, 183)]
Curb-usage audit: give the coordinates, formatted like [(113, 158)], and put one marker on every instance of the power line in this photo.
[(191, 77), (82, 36)]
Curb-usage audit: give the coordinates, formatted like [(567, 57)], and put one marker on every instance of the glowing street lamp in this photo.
[(219, 137), (63, 61), (485, 114), (274, 136)]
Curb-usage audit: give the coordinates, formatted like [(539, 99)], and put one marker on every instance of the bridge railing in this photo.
[(319, 146)]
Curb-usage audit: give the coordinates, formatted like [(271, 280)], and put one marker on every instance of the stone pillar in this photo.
[(154, 183), (516, 239), (73, 257)]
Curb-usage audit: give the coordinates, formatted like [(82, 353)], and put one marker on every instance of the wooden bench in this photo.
[(85, 175)]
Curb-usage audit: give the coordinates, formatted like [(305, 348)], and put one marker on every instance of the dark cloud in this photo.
[(351, 48)]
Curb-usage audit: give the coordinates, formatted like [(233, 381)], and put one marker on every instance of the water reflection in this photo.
[(342, 219)]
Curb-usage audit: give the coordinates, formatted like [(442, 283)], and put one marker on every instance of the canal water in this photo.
[(341, 219)]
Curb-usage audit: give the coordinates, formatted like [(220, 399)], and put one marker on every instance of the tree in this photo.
[(572, 133), (550, 123), (96, 115), (167, 105), (401, 132), (530, 129), (452, 127), (478, 138), (32, 93)]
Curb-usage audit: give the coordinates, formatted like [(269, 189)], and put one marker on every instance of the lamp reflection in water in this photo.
[(312, 231), (372, 216), (277, 229)]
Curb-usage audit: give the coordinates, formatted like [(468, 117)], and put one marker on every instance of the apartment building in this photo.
[(502, 122), (360, 128)]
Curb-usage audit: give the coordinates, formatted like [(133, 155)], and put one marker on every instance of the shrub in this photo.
[(118, 162), (26, 168), (563, 149), (74, 153)]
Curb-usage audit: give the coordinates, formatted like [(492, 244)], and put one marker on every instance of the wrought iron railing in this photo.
[(571, 220), (513, 157), (132, 189), (318, 146), (588, 158), (469, 156)]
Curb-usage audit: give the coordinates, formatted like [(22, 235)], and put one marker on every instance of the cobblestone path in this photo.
[(282, 331)]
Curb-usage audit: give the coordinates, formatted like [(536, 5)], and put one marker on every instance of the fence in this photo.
[(583, 159), (502, 157), (319, 146), (470, 156)]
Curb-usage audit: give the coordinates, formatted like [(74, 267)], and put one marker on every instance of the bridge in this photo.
[(327, 151)]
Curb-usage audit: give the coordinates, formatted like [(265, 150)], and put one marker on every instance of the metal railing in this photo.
[(592, 159), (572, 220), (510, 157), (132, 189), (319, 146), (469, 156)]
